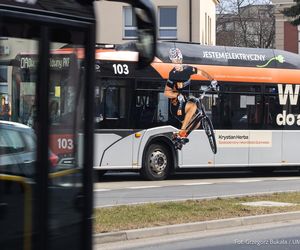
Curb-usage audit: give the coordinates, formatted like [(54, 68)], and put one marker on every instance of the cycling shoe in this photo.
[(179, 142)]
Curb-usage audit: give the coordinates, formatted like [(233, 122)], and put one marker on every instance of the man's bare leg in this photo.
[(190, 110)]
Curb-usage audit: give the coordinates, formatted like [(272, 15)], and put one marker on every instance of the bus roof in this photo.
[(225, 56), (234, 64), (229, 64), (197, 54)]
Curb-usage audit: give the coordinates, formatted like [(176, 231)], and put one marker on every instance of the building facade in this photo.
[(287, 35), (250, 26), (180, 20)]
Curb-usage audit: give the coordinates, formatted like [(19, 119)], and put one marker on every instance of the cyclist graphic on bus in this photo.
[(187, 109)]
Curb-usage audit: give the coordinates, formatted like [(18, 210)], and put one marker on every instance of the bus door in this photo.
[(113, 131), (44, 203)]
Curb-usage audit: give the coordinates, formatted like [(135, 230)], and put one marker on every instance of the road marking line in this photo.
[(142, 187), (287, 178), (101, 190), (197, 183), (245, 181), (204, 183)]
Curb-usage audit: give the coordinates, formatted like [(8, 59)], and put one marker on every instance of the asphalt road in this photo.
[(275, 236), (116, 189)]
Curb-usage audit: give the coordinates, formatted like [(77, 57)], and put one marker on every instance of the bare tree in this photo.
[(245, 23), (294, 12)]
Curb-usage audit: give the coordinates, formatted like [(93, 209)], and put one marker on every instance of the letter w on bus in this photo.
[(288, 92)]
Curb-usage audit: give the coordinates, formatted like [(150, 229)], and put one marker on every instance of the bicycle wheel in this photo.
[(209, 130)]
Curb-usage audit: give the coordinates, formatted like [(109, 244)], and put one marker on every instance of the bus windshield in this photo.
[(62, 97)]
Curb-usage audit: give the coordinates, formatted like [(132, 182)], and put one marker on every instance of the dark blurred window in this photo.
[(11, 142)]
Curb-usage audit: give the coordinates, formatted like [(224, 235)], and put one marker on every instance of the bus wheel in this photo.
[(156, 163)]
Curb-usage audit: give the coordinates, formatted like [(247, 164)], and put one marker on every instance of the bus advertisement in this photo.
[(255, 111)]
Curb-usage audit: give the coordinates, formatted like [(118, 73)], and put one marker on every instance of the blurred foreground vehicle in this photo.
[(18, 150), (41, 209)]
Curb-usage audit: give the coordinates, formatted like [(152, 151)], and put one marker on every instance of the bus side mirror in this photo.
[(146, 30)]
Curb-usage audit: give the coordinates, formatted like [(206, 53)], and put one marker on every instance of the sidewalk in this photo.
[(192, 227)]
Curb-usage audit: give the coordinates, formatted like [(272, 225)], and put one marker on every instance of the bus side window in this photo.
[(151, 107), (111, 104), (145, 109), (238, 107)]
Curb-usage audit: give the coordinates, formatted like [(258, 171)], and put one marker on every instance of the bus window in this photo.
[(239, 107), (272, 109), (66, 136), (151, 106), (62, 90), (4, 114), (209, 100), (247, 110), (112, 106), (18, 152), (146, 108), (113, 103), (282, 111), (62, 96), (65, 125)]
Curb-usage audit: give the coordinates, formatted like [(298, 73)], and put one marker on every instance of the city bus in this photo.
[(255, 112), (43, 205)]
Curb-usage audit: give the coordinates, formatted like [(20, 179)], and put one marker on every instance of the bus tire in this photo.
[(156, 162)]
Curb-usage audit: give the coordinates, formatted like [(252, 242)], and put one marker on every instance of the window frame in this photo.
[(129, 28), (162, 28)]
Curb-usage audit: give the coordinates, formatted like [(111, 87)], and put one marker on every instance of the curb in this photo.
[(192, 227)]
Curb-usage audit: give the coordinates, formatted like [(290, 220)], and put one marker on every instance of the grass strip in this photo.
[(125, 217)]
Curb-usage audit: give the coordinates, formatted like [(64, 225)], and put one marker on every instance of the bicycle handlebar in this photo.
[(212, 86)]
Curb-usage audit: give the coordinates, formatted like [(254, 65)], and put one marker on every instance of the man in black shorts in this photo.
[(183, 107)]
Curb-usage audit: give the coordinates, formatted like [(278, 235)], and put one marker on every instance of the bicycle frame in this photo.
[(200, 113)]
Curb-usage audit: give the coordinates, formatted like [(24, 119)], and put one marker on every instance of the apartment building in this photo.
[(180, 20), (287, 35)]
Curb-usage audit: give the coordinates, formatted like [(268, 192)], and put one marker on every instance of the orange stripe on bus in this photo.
[(237, 74)]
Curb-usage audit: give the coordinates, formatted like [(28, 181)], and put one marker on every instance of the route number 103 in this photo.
[(64, 143), (121, 69)]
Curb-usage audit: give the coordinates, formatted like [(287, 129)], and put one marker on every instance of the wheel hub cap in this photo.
[(158, 162)]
